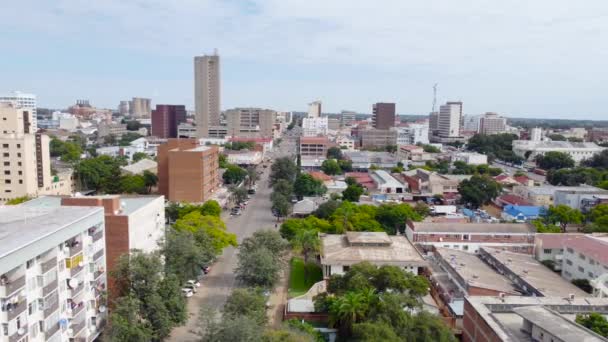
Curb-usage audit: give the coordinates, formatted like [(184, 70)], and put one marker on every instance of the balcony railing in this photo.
[(97, 274), (49, 287), (97, 235), (75, 291), (12, 286), (98, 254), (75, 270), (16, 310), (48, 265), (78, 308), (76, 328), (52, 308), (16, 337), (75, 249), (51, 331)]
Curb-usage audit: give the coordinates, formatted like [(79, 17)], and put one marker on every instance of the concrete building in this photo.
[(450, 120), (166, 119), (347, 118), (515, 319), (207, 94), (25, 101), (314, 147), (346, 142), (250, 122), (471, 158), (363, 160), (115, 129), (340, 252), (187, 171), (131, 223), (431, 183), (579, 151), (383, 115), (52, 273), (522, 213), (244, 157), (585, 257), (315, 126), (378, 138), (123, 108), (387, 184), (314, 109), (581, 199), (471, 237), (140, 107), (545, 195), (471, 123), (25, 167), (433, 124), (413, 134), (491, 123), (550, 246), (186, 130)]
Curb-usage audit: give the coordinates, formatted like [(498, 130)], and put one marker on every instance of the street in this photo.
[(218, 284)]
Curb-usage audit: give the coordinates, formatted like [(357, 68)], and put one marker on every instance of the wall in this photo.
[(147, 226), (475, 329)]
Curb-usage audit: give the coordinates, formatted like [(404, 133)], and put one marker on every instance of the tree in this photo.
[(352, 193), (18, 200), (186, 253), (291, 227), (137, 156), (99, 173), (260, 259), (211, 208), (240, 328), (422, 209), (425, 326), (125, 323), (331, 167), (128, 137), (110, 140), (133, 125), (246, 302), (495, 146), (556, 137), (234, 174), (594, 321), (150, 180), (599, 160), (283, 168), (334, 153), (268, 239), (252, 176), (222, 161), (346, 165), (348, 310), (238, 194), (281, 206), (306, 185), (393, 217), (430, 149), (554, 160), (211, 225), (563, 215), (308, 243), (326, 209), (283, 187), (134, 184), (374, 332), (478, 190)]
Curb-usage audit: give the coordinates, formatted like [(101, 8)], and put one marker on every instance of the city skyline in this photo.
[(519, 59)]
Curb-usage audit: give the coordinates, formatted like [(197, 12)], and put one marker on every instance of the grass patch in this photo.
[(297, 284)]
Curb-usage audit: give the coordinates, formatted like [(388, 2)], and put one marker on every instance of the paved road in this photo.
[(218, 284)]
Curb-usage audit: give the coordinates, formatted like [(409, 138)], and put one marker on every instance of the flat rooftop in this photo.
[(386, 179), (474, 228), (130, 203), (556, 324), (368, 237), (500, 313), (476, 272), (534, 273), (337, 250), (20, 225)]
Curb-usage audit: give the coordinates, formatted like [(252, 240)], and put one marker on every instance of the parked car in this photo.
[(235, 211), (191, 287), (187, 292), (194, 282)]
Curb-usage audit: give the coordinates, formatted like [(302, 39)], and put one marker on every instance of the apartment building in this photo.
[(207, 93), (314, 147), (492, 123), (26, 102), (383, 116), (166, 119), (115, 129), (187, 171), (364, 160), (430, 183), (25, 166), (346, 142), (471, 158), (52, 273), (314, 109), (470, 237), (550, 246), (585, 257), (347, 118), (140, 107), (413, 134), (131, 222), (378, 138), (315, 126), (250, 122), (449, 120)]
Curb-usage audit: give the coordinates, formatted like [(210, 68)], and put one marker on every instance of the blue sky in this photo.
[(541, 58)]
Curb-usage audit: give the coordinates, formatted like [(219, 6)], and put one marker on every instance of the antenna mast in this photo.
[(434, 97)]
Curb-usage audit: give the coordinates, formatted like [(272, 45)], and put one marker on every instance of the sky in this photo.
[(520, 58)]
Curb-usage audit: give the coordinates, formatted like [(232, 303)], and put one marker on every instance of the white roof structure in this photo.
[(384, 180), (141, 166)]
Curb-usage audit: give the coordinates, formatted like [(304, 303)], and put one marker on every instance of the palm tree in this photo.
[(348, 310), (306, 242), (150, 179)]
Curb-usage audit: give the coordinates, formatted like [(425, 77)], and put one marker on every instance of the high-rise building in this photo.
[(25, 167), (52, 273), (450, 120), (314, 109), (123, 108), (187, 171), (491, 123), (140, 107), (206, 93), (26, 101), (433, 123), (383, 115), (536, 134), (166, 119), (413, 134), (471, 123), (347, 117), (250, 122)]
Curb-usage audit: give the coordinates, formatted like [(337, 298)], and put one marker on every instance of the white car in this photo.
[(193, 283), (186, 292)]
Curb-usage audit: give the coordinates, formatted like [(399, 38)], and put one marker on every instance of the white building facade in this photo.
[(450, 118), (315, 126), (413, 134), (26, 101)]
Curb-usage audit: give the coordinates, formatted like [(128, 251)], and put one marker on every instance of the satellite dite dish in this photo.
[(102, 308), (73, 283), (20, 331)]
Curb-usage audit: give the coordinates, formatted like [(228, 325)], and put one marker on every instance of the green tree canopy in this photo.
[(137, 156), (334, 152), (563, 215), (478, 190), (331, 167), (234, 174), (495, 146), (211, 225), (554, 160), (283, 168), (248, 302), (306, 185), (598, 160), (594, 321), (352, 193)]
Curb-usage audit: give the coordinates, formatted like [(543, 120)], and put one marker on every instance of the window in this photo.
[(581, 269), (581, 256), (5, 329), (19, 154), (29, 263), (7, 172), (18, 163), (7, 181), (5, 154), (21, 181), (570, 250), (7, 163), (18, 145), (547, 251), (346, 268), (569, 262), (4, 145)]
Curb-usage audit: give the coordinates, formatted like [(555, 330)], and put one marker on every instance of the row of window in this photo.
[(7, 145)]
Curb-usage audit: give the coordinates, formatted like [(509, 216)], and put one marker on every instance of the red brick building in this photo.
[(166, 118)]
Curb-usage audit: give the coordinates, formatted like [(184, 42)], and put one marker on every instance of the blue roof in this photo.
[(525, 210), (468, 212)]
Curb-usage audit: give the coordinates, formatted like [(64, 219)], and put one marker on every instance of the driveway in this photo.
[(218, 284)]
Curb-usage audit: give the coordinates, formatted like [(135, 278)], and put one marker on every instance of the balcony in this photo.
[(75, 249), (75, 270), (49, 287), (51, 309), (97, 274), (98, 254), (19, 337), (52, 330), (77, 328), (97, 235), (49, 265), (11, 286), (75, 291), (15, 310), (78, 309)]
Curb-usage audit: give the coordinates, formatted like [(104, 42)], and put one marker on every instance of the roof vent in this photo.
[(571, 296), (475, 276)]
